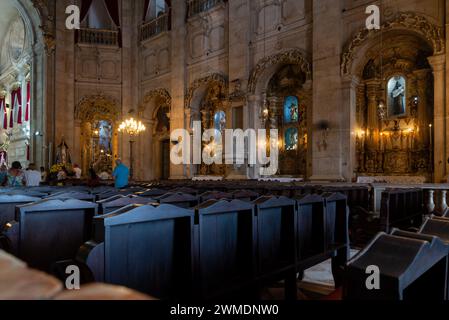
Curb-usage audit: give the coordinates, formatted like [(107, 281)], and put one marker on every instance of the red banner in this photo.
[(27, 111)]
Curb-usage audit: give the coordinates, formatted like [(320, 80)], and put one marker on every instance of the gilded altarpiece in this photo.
[(394, 112), (288, 98)]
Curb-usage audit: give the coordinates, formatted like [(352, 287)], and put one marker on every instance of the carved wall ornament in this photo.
[(161, 93), (408, 21), (294, 57), (212, 79), (97, 107)]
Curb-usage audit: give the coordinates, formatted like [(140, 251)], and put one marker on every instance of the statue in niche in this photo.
[(63, 154), (397, 96)]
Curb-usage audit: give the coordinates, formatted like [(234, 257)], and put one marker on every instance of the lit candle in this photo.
[(431, 134)]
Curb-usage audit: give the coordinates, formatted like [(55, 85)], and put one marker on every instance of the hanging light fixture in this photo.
[(133, 128)]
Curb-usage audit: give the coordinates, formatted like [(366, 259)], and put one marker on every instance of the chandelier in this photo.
[(132, 127)]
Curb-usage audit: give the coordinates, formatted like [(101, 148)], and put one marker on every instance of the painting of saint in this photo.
[(291, 109), (397, 96), (291, 139)]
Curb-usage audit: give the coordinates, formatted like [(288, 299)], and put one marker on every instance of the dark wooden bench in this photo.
[(49, 231), (73, 195), (8, 204), (181, 200), (275, 244), (120, 202), (225, 234), (214, 195), (412, 267), (149, 249)]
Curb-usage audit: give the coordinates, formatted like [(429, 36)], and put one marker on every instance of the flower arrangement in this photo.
[(58, 167)]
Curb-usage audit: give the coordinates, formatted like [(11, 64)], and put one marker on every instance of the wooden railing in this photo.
[(155, 27), (98, 37), (197, 6)]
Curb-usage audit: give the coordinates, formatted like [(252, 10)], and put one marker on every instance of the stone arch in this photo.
[(408, 22), (266, 68), (154, 164), (164, 99), (195, 91), (94, 107)]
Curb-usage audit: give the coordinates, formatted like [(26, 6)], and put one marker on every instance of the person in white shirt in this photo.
[(78, 171), (32, 176)]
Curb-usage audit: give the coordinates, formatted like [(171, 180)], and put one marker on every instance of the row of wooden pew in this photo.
[(178, 245)]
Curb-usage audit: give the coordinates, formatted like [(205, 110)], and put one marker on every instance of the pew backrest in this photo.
[(149, 249), (53, 230)]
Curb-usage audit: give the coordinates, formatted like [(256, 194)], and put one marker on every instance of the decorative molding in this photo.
[(47, 26), (288, 57), (97, 107), (409, 21), (161, 93), (215, 78)]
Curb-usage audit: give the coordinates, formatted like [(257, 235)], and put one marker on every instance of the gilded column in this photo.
[(373, 119)]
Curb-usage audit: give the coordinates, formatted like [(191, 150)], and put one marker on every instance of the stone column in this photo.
[(349, 123), (254, 109), (327, 94), (178, 76), (440, 134)]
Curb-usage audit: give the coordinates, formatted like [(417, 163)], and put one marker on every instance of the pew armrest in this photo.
[(92, 255)]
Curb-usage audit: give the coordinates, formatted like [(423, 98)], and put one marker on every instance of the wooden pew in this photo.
[(401, 208), (149, 249), (245, 195), (275, 245), (181, 200), (115, 204), (151, 193), (73, 195), (412, 267), (214, 195), (225, 239), (8, 204), (51, 230)]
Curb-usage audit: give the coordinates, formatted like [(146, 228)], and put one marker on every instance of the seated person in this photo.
[(32, 176), (15, 176)]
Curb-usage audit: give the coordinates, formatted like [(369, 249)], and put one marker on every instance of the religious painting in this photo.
[(397, 96), (291, 109), (291, 139), (220, 121)]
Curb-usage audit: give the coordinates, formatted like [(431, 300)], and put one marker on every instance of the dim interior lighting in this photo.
[(132, 127), (430, 125)]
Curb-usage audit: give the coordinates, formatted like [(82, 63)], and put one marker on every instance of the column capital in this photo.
[(438, 62), (254, 98)]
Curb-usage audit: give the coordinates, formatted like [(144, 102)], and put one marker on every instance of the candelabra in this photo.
[(133, 128)]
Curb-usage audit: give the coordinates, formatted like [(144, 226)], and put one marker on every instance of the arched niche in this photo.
[(207, 102), (274, 80), (393, 85), (155, 110), (90, 114)]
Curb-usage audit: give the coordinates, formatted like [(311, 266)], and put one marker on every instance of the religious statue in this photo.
[(63, 154), (397, 104)]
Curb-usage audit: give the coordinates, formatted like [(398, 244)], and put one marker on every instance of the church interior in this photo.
[(215, 150)]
